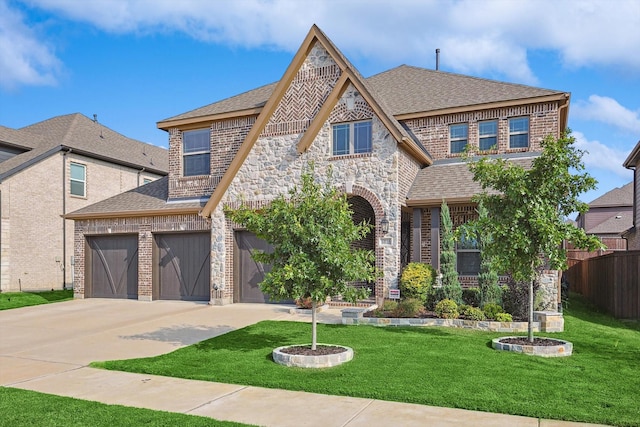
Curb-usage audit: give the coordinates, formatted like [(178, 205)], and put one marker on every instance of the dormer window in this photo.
[(196, 152), (352, 138)]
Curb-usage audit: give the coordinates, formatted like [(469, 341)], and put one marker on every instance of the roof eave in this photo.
[(134, 213), (562, 96), (632, 159), (194, 122)]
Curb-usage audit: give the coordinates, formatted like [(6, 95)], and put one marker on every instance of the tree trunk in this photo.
[(530, 324), (314, 305)]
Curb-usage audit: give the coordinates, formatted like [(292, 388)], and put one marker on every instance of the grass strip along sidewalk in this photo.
[(29, 408), (23, 299), (445, 367)]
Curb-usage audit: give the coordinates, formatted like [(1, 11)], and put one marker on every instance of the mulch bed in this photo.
[(321, 350), (540, 342)]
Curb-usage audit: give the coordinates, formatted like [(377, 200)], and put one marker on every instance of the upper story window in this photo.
[(519, 132), (468, 256), (488, 134), (78, 182), (146, 181), (458, 136), (196, 152), (352, 138)]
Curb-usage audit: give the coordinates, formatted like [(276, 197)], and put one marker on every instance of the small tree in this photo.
[(526, 218), (490, 291), (311, 232), (451, 288)]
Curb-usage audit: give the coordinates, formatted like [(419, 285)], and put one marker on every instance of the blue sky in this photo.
[(135, 62)]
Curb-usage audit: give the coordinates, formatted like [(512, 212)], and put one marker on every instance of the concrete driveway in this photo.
[(46, 339)]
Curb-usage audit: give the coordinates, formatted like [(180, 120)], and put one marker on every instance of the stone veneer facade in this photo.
[(274, 166)]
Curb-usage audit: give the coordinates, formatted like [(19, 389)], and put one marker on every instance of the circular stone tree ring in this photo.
[(337, 356), (544, 347)]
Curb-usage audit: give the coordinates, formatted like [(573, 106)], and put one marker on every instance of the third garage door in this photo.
[(248, 273), (183, 266)]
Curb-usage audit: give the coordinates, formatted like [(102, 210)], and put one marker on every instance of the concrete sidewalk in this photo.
[(47, 349)]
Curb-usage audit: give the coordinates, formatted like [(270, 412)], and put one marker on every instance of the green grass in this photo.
[(23, 299), (29, 408), (599, 383)]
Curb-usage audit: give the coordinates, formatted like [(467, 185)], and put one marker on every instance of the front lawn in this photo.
[(457, 368), (29, 408), (23, 299)]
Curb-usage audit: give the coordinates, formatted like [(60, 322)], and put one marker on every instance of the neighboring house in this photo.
[(609, 215), (633, 234), (394, 141), (48, 169)]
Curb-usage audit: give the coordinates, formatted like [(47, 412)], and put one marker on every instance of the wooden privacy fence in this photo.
[(611, 282)]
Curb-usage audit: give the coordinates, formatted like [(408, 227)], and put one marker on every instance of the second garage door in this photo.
[(183, 266)]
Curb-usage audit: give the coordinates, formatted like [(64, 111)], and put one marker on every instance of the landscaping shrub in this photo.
[(471, 296), (447, 309), (409, 307), (515, 298), (417, 281), (504, 317), (389, 305), (462, 308), (491, 310), (474, 313)]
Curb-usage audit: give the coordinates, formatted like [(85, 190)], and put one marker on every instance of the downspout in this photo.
[(64, 221), (138, 179), (564, 106)]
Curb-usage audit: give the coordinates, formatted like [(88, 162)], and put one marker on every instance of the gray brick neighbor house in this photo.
[(51, 168), (394, 141)]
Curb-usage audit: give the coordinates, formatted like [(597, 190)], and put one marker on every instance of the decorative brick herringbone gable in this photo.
[(305, 95)]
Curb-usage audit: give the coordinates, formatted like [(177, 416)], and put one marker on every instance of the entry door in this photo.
[(184, 266), (113, 266)]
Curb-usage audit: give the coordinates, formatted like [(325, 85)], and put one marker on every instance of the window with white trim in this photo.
[(468, 256), (458, 137), (78, 179), (487, 135), (352, 138), (519, 132), (196, 152)]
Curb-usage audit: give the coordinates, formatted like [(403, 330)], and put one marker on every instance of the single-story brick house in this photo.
[(394, 141), (53, 167)]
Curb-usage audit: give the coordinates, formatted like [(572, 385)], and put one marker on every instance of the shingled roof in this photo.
[(451, 181), (404, 90), (615, 225), (147, 199), (622, 196)]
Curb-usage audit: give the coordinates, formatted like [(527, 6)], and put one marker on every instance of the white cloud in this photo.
[(24, 59), (600, 156), (607, 110), (492, 37)]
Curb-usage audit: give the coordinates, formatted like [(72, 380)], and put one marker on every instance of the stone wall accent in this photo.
[(433, 132), (274, 166), (549, 289), (144, 227)]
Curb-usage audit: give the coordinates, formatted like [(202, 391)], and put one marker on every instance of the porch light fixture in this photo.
[(384, 224)]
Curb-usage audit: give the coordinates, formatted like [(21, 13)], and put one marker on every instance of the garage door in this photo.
[(183, 266), (248, 273), (113, 266)]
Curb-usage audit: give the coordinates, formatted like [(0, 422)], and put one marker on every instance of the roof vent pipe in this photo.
[(95, 118), (437, 59)]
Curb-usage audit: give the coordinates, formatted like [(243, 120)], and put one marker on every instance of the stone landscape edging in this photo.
[(546, 322), (562, 350), (304, 361)]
